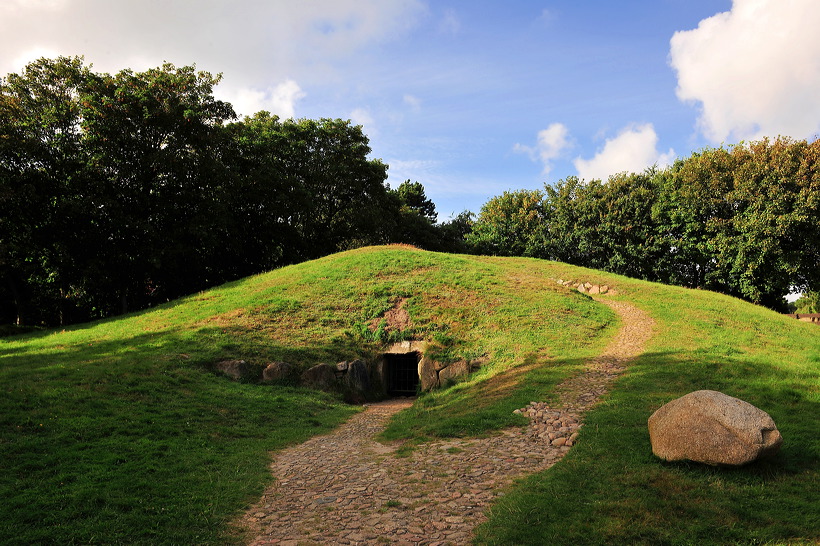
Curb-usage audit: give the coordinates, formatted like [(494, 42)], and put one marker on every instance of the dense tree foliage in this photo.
[(41, 160), (121, 191), (510, 225), (308, 187), (743, 220), (808, 303)]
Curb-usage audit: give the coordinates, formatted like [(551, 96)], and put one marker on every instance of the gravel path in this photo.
[(346, 488)]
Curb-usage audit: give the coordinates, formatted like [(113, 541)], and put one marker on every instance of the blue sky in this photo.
[(472, 98)]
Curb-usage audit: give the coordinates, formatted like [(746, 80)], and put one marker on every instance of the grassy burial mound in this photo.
[(120, 432), (610, 489)]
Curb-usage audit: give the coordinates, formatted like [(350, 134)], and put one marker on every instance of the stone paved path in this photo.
[(346, 488)]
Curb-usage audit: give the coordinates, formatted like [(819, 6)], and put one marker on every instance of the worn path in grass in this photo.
[(347, 488)]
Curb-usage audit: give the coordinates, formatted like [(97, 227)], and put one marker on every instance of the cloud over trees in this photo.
[(632, 150), (754, 71)]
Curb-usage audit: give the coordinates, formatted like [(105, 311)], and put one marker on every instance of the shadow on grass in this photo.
[(200, 346), (36, 333), (130, 441), (611, 489), (485, 403)]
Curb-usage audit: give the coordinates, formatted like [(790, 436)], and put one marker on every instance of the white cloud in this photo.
[(280, 100), (46, 5), (31, 55), (416, 169), (450, 23), (361, 116), (755, 70), (253, 42), (633, 150), (552, 142), (413, 102), (284, 96)]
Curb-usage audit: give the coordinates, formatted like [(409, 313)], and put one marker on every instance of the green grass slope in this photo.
[(610, 489), (117, 432)]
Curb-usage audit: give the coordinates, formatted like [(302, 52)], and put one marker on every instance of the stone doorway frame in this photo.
[(428, 375), (401, 370)]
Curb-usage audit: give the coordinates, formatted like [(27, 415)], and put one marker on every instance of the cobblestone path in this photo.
[(346, 488)]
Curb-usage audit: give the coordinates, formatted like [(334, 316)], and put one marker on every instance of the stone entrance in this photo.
[(402, 373), (399, 369), (404, 369)]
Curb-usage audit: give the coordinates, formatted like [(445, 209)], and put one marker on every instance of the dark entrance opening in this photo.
[(402, 374)]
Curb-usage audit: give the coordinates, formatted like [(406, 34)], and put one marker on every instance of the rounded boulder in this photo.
[(712, 428)]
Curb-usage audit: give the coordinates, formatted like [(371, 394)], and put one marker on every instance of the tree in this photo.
[(154, 142), (694, 213), (773, 243), (510, 225), (413, 197), (119, 191), (102, 181), (415, 217), (264, 199), (41, 163), (807, 303), (740, 220), (607, 226), (621, 226), (456, 232), (320, 186), (563, 235)]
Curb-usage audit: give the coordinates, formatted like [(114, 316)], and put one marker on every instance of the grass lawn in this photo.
[(117, 431), (120, 441), (610, 489)]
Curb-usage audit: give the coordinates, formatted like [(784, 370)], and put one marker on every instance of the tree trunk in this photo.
[(19, 306), (60, 306)]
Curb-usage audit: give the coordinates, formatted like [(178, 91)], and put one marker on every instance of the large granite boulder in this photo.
[(713, 428), (356, 382), (320, 376)]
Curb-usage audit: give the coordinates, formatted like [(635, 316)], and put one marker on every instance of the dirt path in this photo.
[(346, 488)]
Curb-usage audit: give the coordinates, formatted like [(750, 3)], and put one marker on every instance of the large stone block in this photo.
[(357, 377), (428, 376), (238, 369), (320, 376), (713, 428), (454, 372), (277, 371)]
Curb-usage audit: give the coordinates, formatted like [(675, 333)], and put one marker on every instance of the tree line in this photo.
[(743, 220), (118, 192)]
